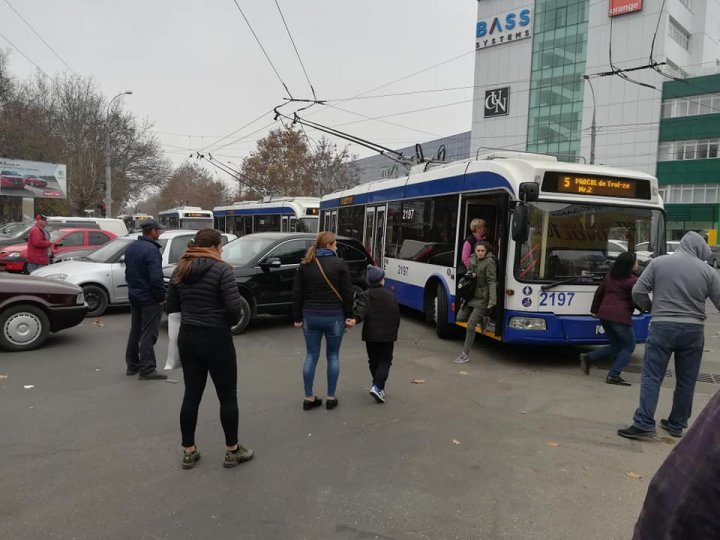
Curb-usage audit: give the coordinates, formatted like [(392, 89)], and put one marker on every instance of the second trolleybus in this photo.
[(555, 229), (284, 214), (186, 217)]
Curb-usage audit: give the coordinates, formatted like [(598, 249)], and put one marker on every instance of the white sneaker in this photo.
[(462, 358), (377, 394)]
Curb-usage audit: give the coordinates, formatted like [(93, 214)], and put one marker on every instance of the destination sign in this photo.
[(312, 211), (195, 214), (593, 185), (346, 200)]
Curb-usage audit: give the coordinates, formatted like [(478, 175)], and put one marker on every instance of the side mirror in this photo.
[(58, 244), (271, 262), (521, 223), (528, 192), (121, 260)]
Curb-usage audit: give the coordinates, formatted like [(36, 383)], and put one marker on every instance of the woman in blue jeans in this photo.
[(613, 305), (322, 306)]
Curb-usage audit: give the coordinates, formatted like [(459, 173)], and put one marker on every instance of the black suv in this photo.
[(265, 265)]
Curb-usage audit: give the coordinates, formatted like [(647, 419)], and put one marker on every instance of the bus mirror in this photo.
[(529, 192), (521, 223)]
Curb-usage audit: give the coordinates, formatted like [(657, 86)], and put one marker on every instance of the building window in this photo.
[(691, 106), (687, 150), (678, 33), (690, 193)]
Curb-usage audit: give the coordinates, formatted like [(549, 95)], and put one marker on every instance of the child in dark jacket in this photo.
[(379, 310), (613, 305)]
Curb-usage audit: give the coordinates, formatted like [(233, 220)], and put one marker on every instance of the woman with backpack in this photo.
[(322, 306)]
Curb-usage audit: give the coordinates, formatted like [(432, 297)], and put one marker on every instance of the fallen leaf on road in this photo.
[(552, 444), (586, 467), (3, 376), (29, 386), (463, 373), (523, 412), (99, 323), (417, 381), (455, 441), (633, 475), (173, 381), (708, 350), (97, 369)]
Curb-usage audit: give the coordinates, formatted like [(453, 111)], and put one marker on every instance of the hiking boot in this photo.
[(617, 379), (674, 432), (189, 459), (152, 376), (241, 455), (331, 403), (635, 433), (584, 363), (462, 358), (309, 404), (377, 394)]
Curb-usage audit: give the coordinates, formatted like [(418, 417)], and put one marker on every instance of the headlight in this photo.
[(527, 323), (13, 255), (59, 277), (80, 299)]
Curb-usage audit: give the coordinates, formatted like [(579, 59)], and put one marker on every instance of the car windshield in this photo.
[(11, 229), (111, 251), (569, 240), (309, 225), (246, 249)]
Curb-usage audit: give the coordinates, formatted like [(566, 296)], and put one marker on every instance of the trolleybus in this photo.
[(554, 226), (186, 217), (285, 214), (133, 222)]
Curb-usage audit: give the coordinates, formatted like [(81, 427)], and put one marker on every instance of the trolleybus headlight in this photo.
[(527, 323)]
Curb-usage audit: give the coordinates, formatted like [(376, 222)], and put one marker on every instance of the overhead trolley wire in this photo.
[(296, 50), (24, 55)]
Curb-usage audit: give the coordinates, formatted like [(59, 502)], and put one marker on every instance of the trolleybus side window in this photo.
[(267, 223), (351, 221)]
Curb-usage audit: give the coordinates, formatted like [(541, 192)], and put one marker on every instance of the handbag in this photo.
[(328, 281), (466, 287)]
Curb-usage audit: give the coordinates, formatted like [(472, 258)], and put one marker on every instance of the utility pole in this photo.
[(108, 169), (593, 125)]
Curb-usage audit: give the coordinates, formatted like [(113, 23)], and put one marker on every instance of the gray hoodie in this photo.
[(680, 283)]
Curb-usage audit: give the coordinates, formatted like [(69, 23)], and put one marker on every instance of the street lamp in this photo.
[(108, 174)]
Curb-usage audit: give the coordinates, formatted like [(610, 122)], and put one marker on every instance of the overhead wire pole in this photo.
[(593, 125), (108, 167)]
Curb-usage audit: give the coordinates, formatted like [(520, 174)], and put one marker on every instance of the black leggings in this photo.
[(204, 350)]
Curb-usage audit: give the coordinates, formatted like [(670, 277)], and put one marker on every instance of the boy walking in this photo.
[(379, 310)]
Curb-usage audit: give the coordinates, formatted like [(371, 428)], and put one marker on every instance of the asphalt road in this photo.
[(516, 444)]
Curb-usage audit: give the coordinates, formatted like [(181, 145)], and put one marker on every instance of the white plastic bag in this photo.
[(173, 355)]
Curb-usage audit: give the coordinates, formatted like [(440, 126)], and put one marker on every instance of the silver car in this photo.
[(101, 274)]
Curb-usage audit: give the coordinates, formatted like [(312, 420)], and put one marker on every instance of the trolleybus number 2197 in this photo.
[(556, 299)]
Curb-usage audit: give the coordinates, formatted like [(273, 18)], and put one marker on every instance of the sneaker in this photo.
[(378, 394), (635, 433), (672, 431), (331, 403), (462, 358), (152, 376), (617, 379), (131, 372), (309, 404), (233, 459), (584, 364), (190, 459)]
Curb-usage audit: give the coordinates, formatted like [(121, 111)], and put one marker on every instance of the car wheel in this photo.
[(97, 300), (245, 314), (443, 328), (23, 327)]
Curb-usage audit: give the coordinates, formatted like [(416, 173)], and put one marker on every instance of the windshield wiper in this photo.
[(580, 280)]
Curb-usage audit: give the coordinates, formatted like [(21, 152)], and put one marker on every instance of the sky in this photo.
[(198, 74)]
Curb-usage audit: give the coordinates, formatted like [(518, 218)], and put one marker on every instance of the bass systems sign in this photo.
[(505, 28), (621, 7), (497, 102)]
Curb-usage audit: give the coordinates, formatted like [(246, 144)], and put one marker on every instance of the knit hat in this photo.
[(375, 274)]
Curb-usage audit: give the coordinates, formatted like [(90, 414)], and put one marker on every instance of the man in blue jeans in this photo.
[(680, 284)]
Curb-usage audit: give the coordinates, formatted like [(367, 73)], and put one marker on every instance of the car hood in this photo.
[(22, 284), (74, 269), (14, 247)]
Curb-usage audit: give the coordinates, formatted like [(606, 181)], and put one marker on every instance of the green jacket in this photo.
[(486, 284)]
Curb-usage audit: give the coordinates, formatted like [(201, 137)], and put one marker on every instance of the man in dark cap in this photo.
[(143, 273)]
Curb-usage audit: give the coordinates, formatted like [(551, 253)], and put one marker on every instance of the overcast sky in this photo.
[(197, 73)]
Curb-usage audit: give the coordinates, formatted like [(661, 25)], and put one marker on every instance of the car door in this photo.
[(120, 292), (97, 239), (71, 241), (274, 290)]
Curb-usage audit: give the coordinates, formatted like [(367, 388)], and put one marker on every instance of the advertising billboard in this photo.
[(32, 179), (497, 102), (503, 28), (621, 7)]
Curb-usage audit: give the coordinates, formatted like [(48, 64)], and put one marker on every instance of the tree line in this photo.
[(66, 119)]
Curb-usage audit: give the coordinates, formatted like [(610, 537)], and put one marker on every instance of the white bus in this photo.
[(285, 214), (554, 226), (186, 217), (134, 221)]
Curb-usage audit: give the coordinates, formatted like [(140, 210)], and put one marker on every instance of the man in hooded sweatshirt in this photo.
[(680, 285)]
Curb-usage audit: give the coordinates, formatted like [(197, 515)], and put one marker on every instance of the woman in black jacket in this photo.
[(204, 291), (322, 306)]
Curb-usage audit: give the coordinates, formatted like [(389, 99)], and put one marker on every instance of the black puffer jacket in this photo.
[(378, 310), (207, 297), (311, 291)]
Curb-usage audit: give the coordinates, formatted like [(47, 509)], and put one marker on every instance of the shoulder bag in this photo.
[(328, 281)]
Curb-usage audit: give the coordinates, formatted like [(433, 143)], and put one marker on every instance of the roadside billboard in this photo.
[(621, 7), (32, 179)]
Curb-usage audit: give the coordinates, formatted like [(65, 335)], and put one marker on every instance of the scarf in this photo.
[(324, 252), (194, 252)]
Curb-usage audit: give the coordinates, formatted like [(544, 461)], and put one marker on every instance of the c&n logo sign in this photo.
[(497, 102), (505, 28)]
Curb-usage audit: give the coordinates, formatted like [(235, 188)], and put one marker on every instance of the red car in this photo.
[(12, 258), (35, 181), (12, 180)]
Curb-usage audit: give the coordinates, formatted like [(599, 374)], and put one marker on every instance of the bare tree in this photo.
[(190, 184)]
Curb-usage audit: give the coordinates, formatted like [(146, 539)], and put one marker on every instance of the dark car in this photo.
[(265, 266), (32, 307), (714, 259)]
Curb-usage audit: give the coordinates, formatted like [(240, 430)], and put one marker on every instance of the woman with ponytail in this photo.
[(322, 306), (204, 291)]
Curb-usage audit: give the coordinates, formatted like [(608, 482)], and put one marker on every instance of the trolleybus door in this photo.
[(374, 227)]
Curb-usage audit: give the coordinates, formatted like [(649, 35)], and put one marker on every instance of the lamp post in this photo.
[(108, 173)]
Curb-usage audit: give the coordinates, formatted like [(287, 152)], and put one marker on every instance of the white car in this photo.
[(101, 275)]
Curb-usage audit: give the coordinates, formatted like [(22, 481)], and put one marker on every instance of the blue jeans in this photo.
[(622, 345), (31, 267), (686, 342), (315, 326)]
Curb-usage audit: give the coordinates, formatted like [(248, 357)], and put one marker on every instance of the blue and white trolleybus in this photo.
[(285, 214), (186, 217)]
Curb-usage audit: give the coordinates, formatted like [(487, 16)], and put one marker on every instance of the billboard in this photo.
[(621, 7), (32, 179), (504, 28)]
